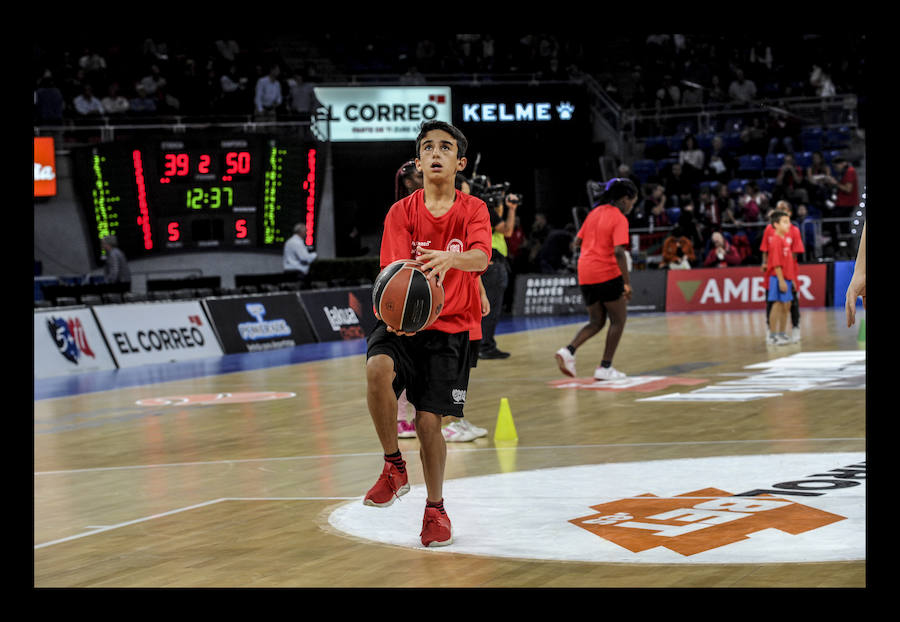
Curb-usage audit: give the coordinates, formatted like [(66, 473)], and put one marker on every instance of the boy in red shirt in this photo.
[(449, 232), (781, 274), (797, 248), (603, 276)]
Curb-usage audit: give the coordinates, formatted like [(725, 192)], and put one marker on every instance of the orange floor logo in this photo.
[(698, 521)]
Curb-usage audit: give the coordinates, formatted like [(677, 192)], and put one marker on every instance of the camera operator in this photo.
[(496, 277)]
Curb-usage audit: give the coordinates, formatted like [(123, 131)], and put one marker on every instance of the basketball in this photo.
[(405, 298)]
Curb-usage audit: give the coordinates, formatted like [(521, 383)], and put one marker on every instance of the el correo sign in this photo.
[(380, 113)]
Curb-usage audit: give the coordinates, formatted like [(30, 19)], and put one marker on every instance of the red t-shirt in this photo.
[(780, 255), (604, 228), (794, 239), (409, 226), (849, 199)]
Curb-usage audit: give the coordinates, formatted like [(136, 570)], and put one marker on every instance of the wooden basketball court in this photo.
[(171, 483)]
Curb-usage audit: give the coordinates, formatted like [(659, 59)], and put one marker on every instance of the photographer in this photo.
[(496, 277)]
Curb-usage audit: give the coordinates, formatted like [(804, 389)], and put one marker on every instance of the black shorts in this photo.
[(608, 291), (431, 365)]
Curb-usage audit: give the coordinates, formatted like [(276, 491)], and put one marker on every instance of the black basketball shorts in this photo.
[(431, 365), (608, 291)]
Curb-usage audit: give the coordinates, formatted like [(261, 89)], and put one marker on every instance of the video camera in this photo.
[(492, 194)]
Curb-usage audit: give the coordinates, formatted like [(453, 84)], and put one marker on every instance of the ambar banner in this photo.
[(260, 322), (68, 341), (720, 289), (337, 314)]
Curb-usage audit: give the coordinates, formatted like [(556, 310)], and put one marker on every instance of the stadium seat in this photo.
[(767, 184), (736, 185), (773, 162), (803, 158), (811, 138), (750, 165), (837, 138), (644, 169)]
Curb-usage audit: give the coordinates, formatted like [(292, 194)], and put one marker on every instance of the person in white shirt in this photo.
[(87, 103), (297, 256)]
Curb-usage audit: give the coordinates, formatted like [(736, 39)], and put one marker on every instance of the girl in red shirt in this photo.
[(603, 275)]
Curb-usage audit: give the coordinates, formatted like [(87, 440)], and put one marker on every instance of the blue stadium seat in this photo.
[(811, 138), (750, 165), (664, 164), (644, 169), (774, 162), (737, 185), (704, 141), (767, 184), (837, 138), (803, 158), (674, 213), (831, 155)]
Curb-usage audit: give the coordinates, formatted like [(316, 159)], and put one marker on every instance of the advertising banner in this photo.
[(68, 341), (381, 112), (260, 322), (843, 273), (553, 294), (157, 332), (337, 314), (44, 167), (726, 289)]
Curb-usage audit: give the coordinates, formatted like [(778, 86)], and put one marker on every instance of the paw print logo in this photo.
[(565, 110)]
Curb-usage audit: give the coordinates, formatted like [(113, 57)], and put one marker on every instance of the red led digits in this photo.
[(174, 233), (240, 228), (237, 163), (203, 167)]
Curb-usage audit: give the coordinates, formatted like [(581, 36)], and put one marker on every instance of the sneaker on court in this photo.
[(474, 429), (782, 340), (406, 429), (770, 339), (456, 432), (566, 361), (608, 373), (391, 485), (795, 335), (436, 530)]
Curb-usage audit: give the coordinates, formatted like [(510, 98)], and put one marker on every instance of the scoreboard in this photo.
[(185, 194)]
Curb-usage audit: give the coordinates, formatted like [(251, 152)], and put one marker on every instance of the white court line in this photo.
[(106, 528), (449, 450)]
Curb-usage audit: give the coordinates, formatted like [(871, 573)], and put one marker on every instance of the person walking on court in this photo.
[(781, 277), (603, 276), (449, 232)]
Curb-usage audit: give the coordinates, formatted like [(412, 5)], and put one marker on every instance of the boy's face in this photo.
[(783, 225), (437, 156)]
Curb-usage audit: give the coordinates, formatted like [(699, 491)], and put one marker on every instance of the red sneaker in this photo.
[(436, 528), (391, 485)]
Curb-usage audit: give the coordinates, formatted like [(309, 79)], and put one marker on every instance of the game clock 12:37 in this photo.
[(175, 195)]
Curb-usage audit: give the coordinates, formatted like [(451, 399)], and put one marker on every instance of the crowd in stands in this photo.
[(702, 180)]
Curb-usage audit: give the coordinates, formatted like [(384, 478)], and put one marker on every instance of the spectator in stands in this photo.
[(716, 94), (668, 95), (750, 203), (782, 132), (268, 97), (233, 90), (302, 95), (817, 174), (152, 80), (789, 182), (114, 103), (691, 158), (677, 251), (141, 103), (297, 258), (653, 203), (537, 235), (678, 185), (722, 254), (725, 206), (741, 90), (556, 252), (689, 224), (116, 269), (707, 210), (86, 103), (720, 163), (49, 103), (846, 183), (754, 137)]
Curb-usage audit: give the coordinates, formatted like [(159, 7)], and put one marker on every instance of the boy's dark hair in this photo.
[(461, 143), (777, 215)]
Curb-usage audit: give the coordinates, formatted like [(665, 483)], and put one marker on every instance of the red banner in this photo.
[(44, 167), (721, 289)]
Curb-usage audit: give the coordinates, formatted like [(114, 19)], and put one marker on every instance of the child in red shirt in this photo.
[(781, 274), (449, 232)]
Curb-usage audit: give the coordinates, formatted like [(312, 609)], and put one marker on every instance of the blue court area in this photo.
[(90, 382)]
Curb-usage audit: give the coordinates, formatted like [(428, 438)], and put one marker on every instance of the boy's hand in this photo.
[(782, 286), (437, 263)]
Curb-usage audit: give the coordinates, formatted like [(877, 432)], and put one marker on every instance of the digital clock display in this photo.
[(174, 195)]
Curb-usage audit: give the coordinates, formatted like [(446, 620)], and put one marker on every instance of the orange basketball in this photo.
[(405, 298)]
